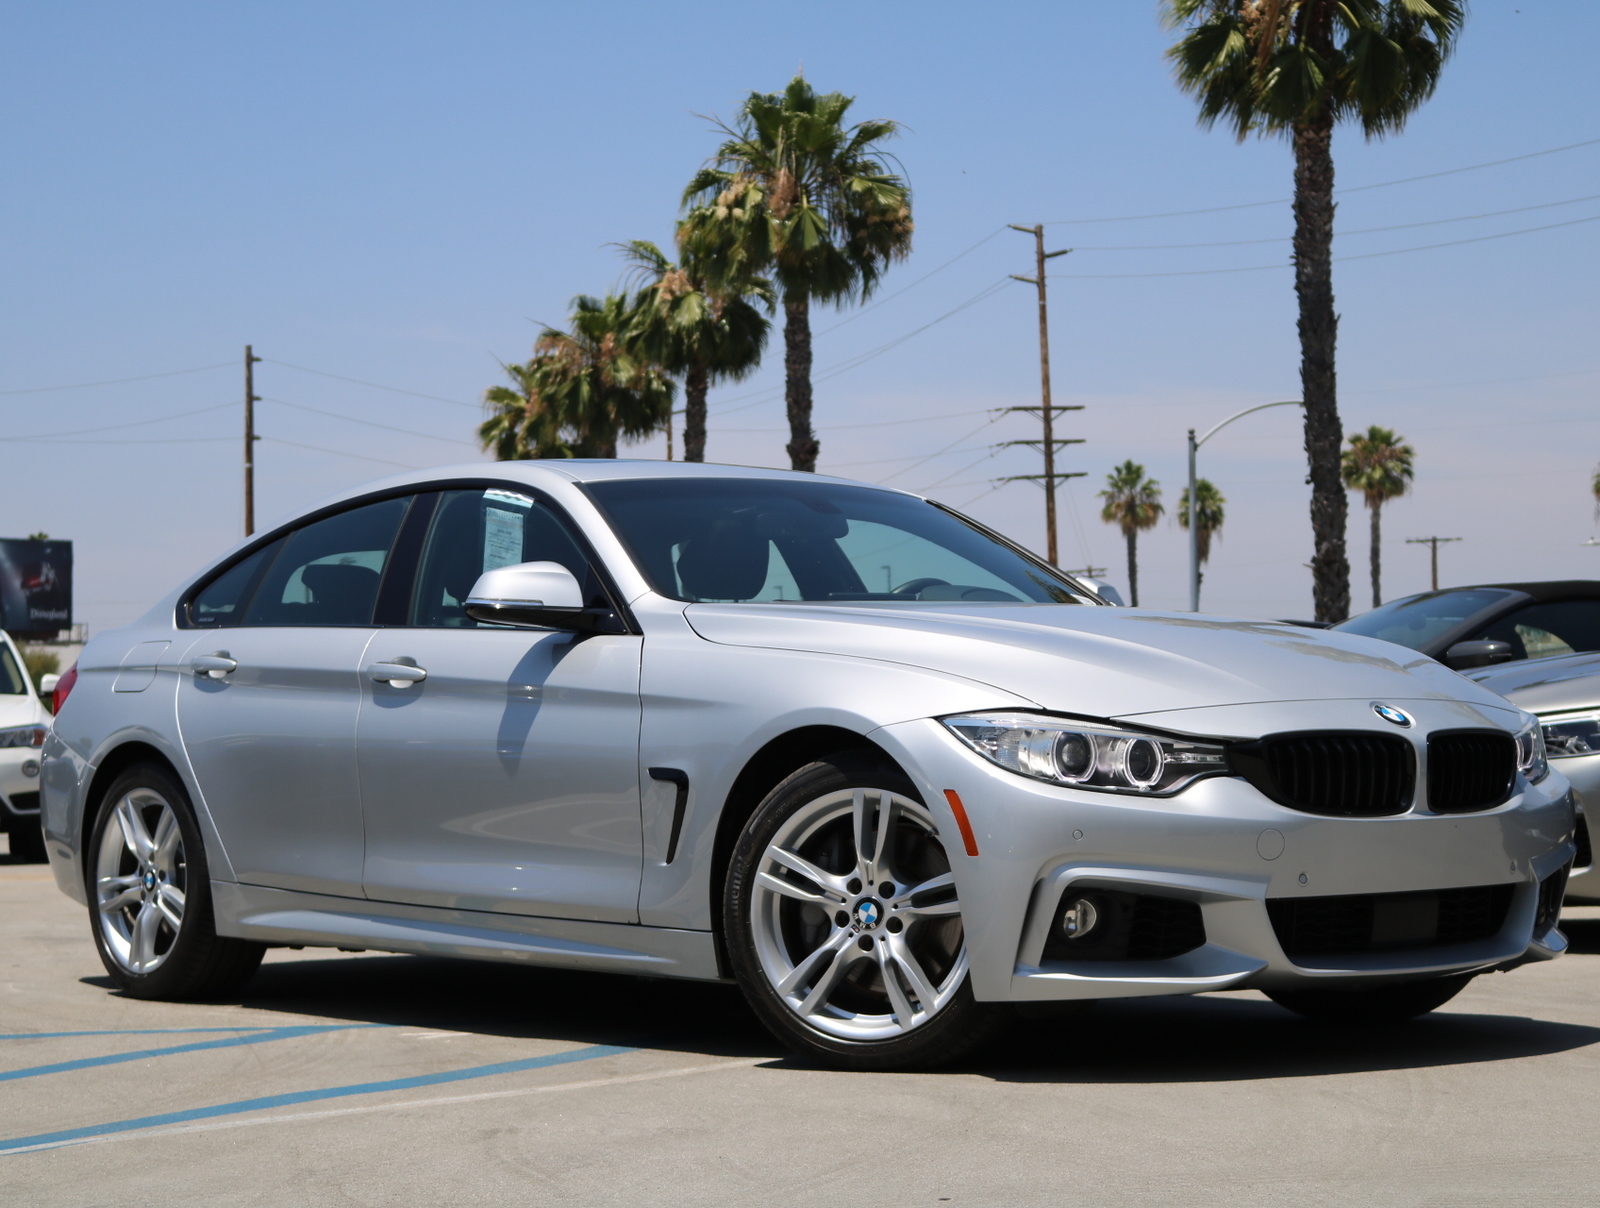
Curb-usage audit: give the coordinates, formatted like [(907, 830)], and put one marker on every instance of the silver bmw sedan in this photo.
[(883, 768)]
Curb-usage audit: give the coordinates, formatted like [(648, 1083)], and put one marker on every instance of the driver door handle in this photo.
[(214, 666), (396, 674)]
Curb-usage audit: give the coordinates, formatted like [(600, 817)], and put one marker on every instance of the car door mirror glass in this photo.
[(1464, 656)]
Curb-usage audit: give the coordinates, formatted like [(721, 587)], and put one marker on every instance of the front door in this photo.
[(267, 708), (506, 779)]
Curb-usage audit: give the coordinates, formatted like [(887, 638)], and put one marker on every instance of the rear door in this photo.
[(268, 708), (507, 778)]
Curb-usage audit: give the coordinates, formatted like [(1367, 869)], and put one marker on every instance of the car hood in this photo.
[(1100, 662), (19, 709), (1569, 681)]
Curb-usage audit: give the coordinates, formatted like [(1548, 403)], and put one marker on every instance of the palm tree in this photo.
[(1379, 466), (812, 201), (690, 322), (583, 389), (1208, 516), (1295, 68), (1133, 503)]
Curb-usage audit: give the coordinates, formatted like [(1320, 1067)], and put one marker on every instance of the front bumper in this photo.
[(19, 786), (1229, 850)]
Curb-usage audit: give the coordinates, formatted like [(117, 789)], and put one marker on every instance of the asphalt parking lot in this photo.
[(369, 1079)]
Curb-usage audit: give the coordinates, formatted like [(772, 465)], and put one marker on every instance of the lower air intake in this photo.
[(1352, 924), (1128, 927)]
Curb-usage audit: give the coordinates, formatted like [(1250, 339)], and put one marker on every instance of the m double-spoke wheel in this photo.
[(150, 903), (844, 924), (140, 880)]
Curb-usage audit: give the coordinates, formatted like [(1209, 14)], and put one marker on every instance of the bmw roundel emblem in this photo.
[(1390, 713), (866, 915)]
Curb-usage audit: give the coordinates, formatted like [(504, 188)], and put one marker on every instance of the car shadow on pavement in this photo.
[(1239, 1037), (1583, 935), (1219, 1037)]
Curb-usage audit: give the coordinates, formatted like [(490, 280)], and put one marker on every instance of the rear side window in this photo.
[(479, 530), (329, 571), (221, 601), (12, 682)]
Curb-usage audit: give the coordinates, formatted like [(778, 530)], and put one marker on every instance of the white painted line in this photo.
[(441, 1101)]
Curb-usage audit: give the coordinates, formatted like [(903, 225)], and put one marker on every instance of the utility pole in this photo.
[(1434, 542), (250, 438), (1046, 409)]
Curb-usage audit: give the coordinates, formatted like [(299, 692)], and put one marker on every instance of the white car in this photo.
[(24, 722), (885, 769)]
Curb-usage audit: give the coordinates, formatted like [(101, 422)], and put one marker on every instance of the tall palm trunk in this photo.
[(695, 385), (1377, 550), (1133, 568), (797, 386), (1313, 285)]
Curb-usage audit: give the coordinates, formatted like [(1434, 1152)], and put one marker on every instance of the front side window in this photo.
[(1417, 621), (1541, 631), (328, 572), (478, 530), (221, 601), (771, 540)]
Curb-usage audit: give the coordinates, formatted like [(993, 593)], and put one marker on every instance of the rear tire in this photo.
[(150, 895), (888, 988), (1373, 1005), (27, 841)]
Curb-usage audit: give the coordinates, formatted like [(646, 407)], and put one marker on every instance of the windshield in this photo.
[(740, 539), (1417, 620), (12, 682)]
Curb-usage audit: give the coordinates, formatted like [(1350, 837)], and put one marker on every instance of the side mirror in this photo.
[(542, 595), (1464, 656), (47, 683)]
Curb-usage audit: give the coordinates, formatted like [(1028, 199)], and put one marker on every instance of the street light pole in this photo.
[(1194, 532)]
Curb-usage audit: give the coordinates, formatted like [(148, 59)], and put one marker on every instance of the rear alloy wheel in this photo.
[(843, 923), (150, 895), (1393, 1003)]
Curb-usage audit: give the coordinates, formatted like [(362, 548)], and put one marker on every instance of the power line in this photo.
[(336, 452), (1404, 226), (138, 423), (283, 402), (148, 377), (338, 377), (914, 284), (1257, 268), (1405, 180)]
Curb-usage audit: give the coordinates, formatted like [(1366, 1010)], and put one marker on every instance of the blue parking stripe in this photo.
[(332, 1092), (84, 1063), (129, 1032)]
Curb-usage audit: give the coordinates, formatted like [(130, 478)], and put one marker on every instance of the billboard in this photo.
[(35, 588)]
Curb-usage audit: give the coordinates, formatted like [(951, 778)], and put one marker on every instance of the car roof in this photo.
[(1548, 590)]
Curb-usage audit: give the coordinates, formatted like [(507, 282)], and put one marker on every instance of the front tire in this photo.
[(1373, 1005), (150, 895), (843, 926)]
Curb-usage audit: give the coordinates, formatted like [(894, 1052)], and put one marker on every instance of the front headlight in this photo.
[(23, 736), (1569, 734), (1087, 756), (1531, 760)]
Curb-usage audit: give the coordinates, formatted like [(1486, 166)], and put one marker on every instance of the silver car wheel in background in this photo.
[(855, 917), (141, 879)]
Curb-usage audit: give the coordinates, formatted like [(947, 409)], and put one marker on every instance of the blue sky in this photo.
[(400, 193)]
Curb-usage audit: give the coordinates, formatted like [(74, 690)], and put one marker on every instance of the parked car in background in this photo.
[(659, 718), (24, 721), (1564, 691), (1467, 627)]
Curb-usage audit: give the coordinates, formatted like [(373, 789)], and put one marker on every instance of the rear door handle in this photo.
[(396, 674), (215, 666)]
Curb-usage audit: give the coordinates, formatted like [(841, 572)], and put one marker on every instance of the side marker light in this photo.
[(965, 827)]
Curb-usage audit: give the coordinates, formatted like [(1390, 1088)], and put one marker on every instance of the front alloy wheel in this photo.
[(844, 924)]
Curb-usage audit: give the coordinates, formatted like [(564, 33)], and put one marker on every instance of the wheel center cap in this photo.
[(868, 914), (149, 881)]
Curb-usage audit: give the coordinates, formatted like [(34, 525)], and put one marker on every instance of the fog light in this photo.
[(30, 768), (1079, 918)]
